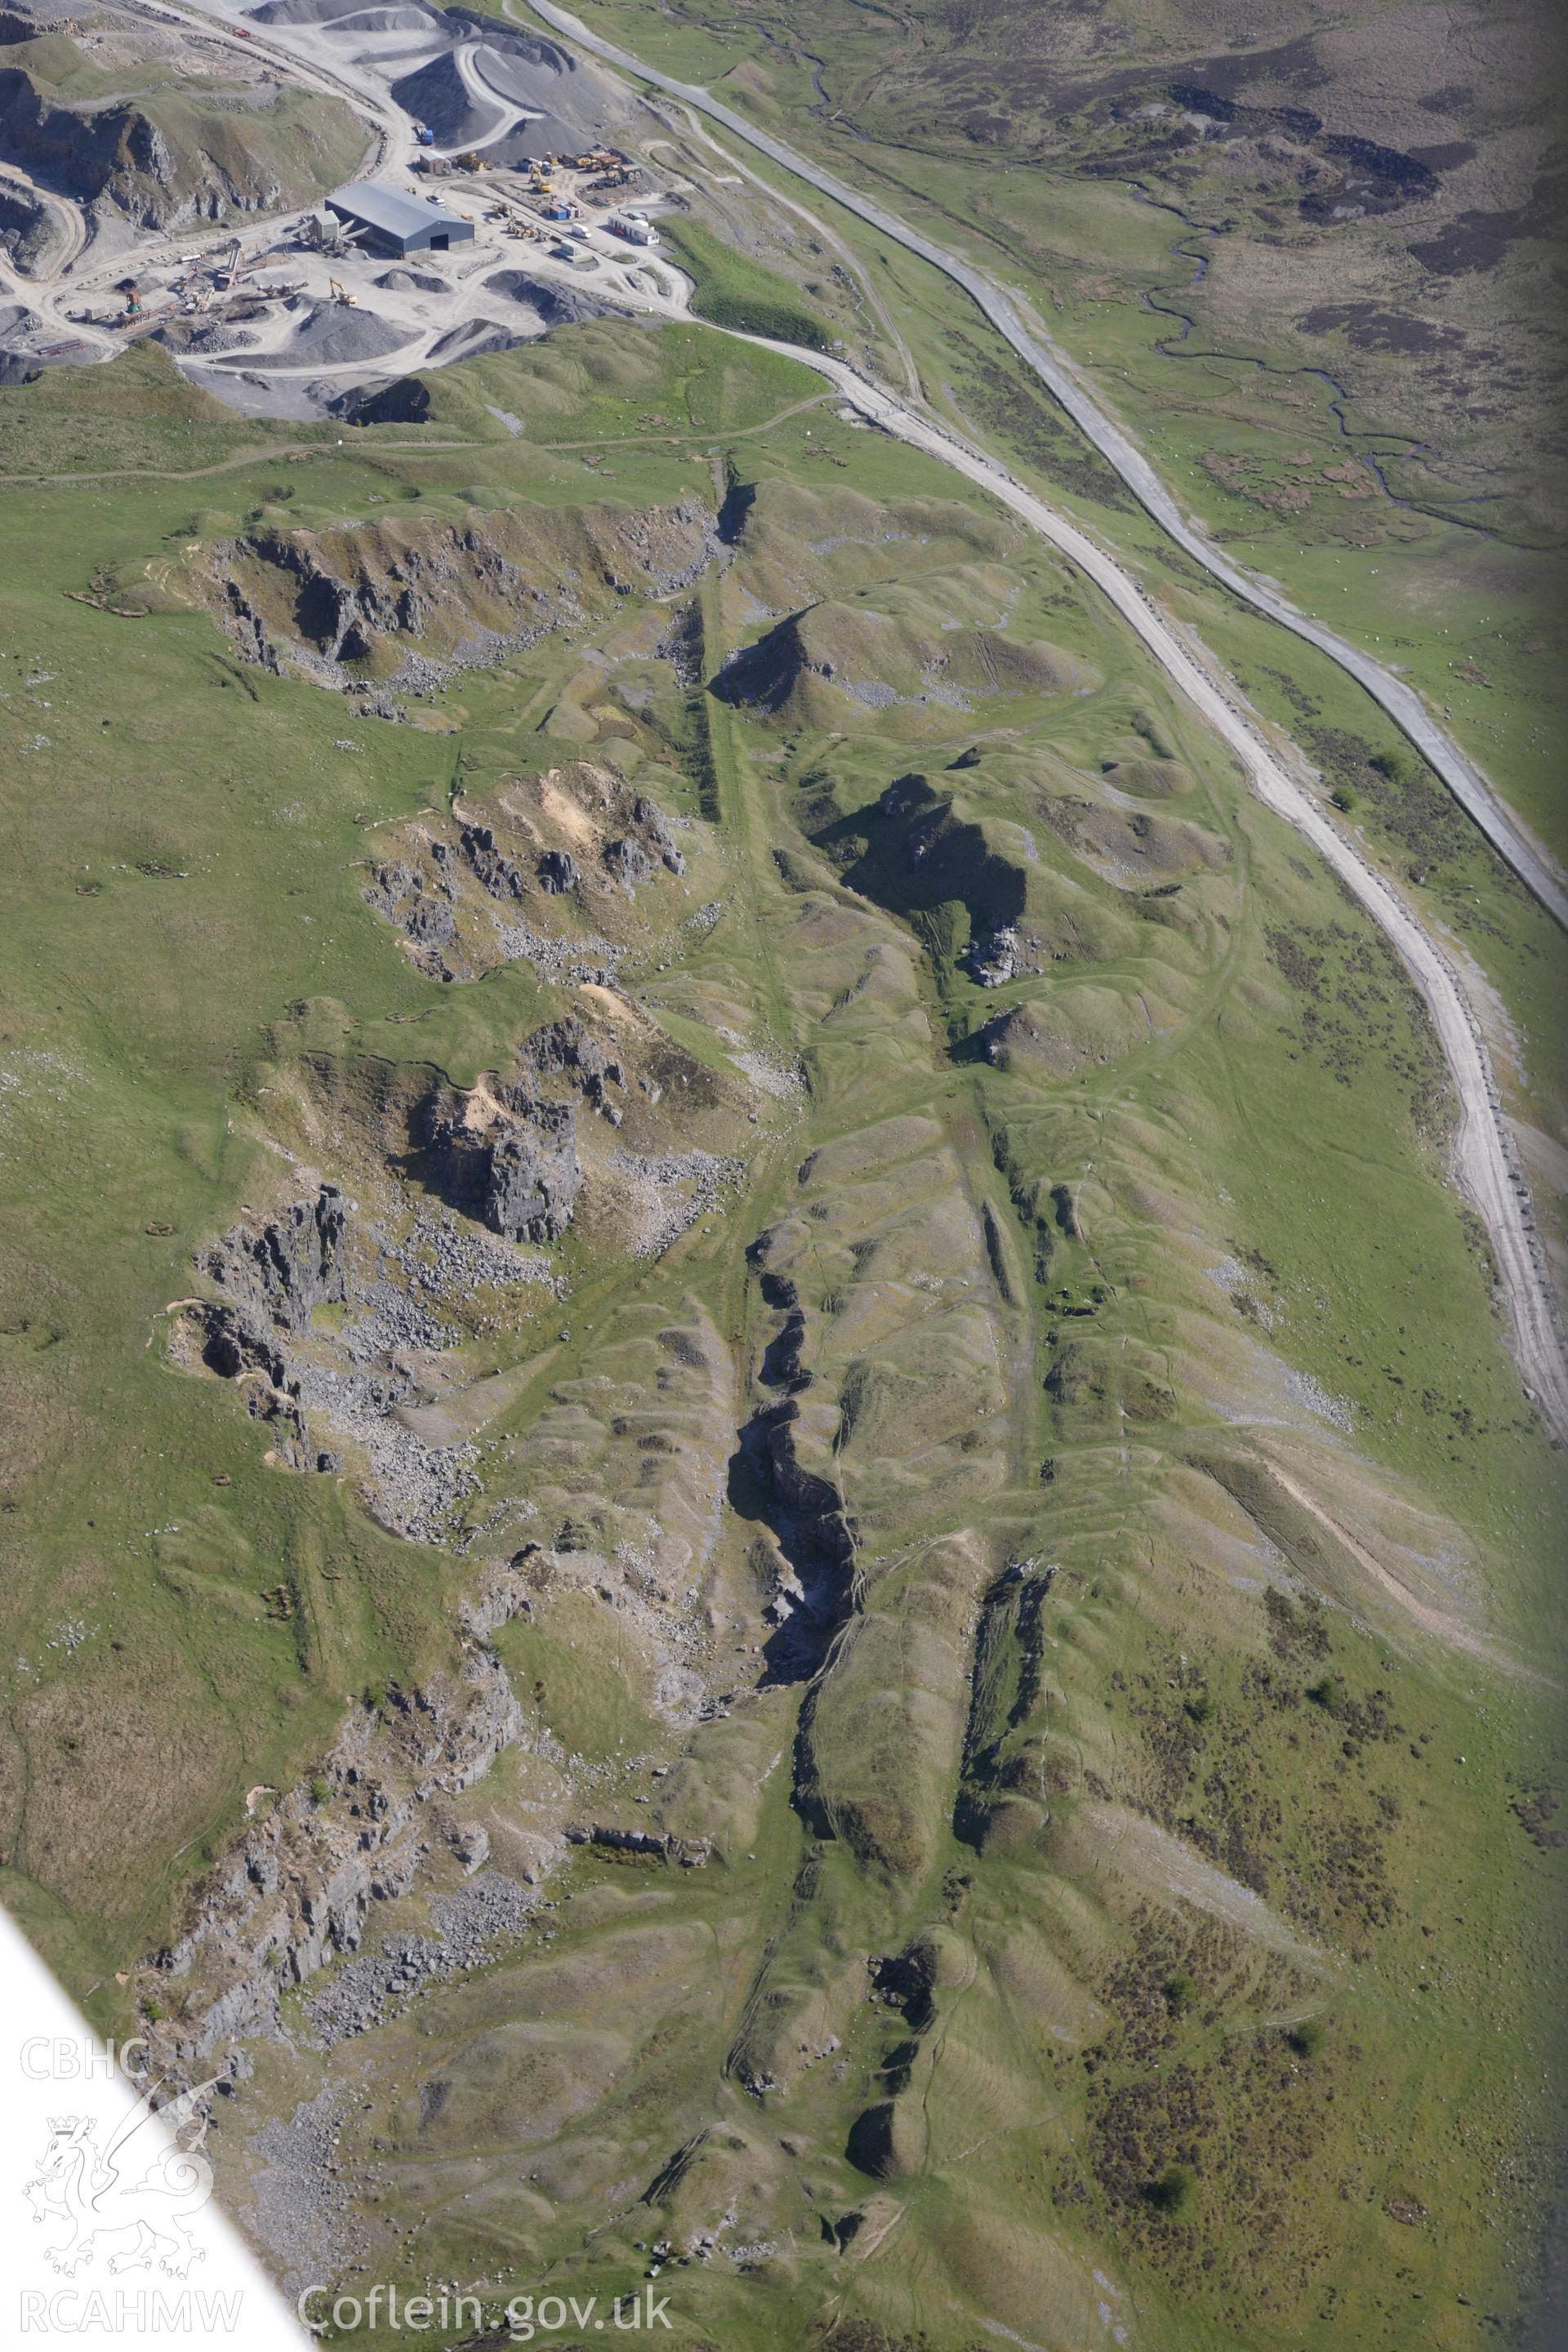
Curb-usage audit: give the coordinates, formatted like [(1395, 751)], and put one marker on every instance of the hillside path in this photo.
[(1536, 868)]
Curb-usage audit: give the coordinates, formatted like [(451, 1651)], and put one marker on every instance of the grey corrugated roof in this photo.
[(390, 209)]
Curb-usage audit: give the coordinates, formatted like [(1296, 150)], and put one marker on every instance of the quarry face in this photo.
[(781, 1403)]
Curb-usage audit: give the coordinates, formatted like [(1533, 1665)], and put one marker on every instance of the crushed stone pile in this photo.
[(471, 1924), (407, 281), (557, 306), (334, 336)]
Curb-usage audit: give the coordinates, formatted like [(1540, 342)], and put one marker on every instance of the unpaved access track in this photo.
[(1484, 1161), (288, 359), (1536, 868)]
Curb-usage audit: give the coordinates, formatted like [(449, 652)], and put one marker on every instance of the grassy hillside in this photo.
[(732, 290), (1304, 262), (995, 1557), (167, 128)]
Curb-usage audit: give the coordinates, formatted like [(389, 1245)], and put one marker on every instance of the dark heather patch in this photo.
[(1474, 241), (1445, 157), (1368, 329)]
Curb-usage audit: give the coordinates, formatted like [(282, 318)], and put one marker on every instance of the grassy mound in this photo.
[(139, 410), (602, 379), (734, 291)]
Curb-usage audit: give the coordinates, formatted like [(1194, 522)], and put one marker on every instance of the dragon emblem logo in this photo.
[(132, 2200)]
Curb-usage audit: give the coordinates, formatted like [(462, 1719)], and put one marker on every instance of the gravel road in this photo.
[(1484, 1158), (1536, 868)]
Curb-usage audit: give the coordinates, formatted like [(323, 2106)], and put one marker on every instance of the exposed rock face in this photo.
[(815, 1505), (508, 1160), (421, 905), (502, 876), (91, 152), (337, 615), (782, 1365), (566, 1049), (297, 1892), (657, 832), (115, 155), (558, 872), (334, 1390), (993, 960), (627, 863), (27, 232), (810, 1561), (533, 1176), (503, 1152), (414, 604), (294, 1264), (692, 1853), (514, 876), (637, 854), (470, 1841), (275, 1278)]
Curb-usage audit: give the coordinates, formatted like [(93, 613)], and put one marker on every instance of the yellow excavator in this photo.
[(340, 293)]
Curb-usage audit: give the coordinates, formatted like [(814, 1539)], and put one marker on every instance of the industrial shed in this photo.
[(399, 224)]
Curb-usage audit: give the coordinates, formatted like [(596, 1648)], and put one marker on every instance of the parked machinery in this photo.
[(323, 231)]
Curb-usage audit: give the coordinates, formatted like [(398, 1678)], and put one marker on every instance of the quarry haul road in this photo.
[(1536, 868), (1483, 1159)]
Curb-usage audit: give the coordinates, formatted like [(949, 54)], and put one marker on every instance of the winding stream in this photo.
[(1013, 315), (1176, 348)]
